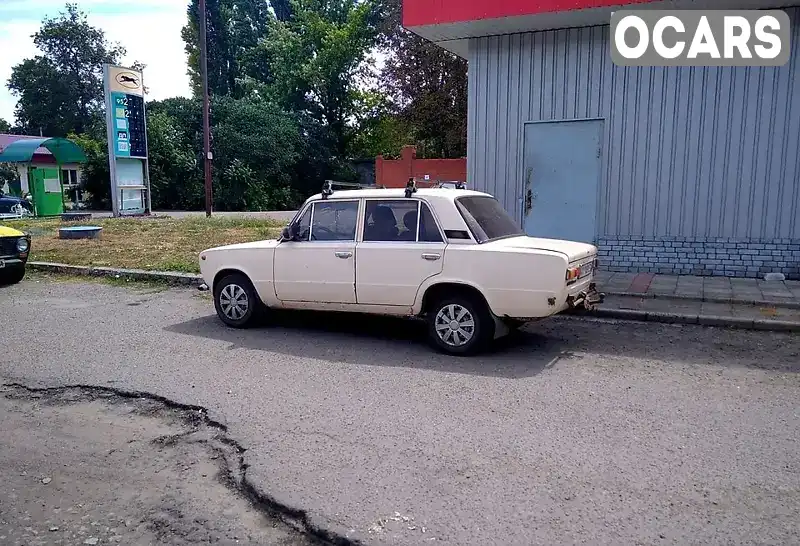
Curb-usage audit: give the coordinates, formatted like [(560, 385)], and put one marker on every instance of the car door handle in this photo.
[(344, 255), (431, 257)]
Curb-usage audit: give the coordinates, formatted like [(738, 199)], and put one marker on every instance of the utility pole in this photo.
[(206, 115)]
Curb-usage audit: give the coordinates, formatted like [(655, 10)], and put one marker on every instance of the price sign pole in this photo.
[(127, 141)]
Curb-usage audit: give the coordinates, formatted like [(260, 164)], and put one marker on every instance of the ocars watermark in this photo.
[(700, 37)]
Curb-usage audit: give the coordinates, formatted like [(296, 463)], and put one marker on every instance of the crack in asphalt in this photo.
[(235, 478)]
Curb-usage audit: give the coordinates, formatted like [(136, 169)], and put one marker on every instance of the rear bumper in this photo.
[(587, 299)]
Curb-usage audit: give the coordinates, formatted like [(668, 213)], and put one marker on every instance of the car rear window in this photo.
[(487, 219)]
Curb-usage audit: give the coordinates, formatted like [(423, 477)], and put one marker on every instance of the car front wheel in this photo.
[(236, 301), (459, 325)]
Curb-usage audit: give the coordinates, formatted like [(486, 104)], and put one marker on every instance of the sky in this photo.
[(150, 30)]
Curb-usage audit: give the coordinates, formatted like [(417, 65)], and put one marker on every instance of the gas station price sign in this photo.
[(126, 131), (129, 125)]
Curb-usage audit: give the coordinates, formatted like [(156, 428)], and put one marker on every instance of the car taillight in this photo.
[(573, 273)]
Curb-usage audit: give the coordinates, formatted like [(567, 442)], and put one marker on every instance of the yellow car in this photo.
[(15, 247)]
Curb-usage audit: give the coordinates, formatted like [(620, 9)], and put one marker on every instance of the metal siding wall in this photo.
[(689, 152)]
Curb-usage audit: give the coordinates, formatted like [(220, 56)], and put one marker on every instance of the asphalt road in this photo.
[(573, 432), (88, 467)]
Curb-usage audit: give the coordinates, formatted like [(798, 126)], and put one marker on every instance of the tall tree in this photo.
[(319, 59), (61, 90), (282, 9), (233, 29), (427, 86)]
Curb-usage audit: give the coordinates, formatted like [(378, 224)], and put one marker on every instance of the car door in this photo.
[(400, 248), (320, 266)]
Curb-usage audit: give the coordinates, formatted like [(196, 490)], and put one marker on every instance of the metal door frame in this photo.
[(600, 171)]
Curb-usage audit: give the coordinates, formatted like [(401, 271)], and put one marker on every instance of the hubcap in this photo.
[(233, 301), (455, 325)]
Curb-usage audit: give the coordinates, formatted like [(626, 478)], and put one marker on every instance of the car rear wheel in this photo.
[(459, 325), (236, 301), (12, 275)]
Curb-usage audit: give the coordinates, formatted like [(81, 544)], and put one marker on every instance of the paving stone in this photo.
[(716, 289), (666, 278), (603, 276), (774, 292), (670, 310), (717, 282), (747, 294), (661, 291), (737, 282), (623, 277), (698, 294), (672, 306), (690, 278)]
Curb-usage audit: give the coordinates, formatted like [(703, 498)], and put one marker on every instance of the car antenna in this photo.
[(411, 187)]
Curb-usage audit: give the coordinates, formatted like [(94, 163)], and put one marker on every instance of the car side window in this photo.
[(396, 221), (391, 220), (334, 221), (428, 230)]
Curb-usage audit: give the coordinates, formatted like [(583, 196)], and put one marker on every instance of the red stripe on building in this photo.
[(434, 12)]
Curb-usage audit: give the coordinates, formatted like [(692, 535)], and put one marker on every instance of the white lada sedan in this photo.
[(453, 257)]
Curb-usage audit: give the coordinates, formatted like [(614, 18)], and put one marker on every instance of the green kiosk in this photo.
[(44, 182)]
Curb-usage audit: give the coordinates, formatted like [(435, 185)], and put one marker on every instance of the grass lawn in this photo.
[(155, 243)]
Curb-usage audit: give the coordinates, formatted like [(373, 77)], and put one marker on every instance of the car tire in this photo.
[(12, 275), (470, 327), (236, 301)]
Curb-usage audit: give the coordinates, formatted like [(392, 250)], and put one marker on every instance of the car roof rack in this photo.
[(328, 186), (457, 184)]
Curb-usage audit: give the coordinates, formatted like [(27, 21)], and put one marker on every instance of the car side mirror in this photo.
[(289, 233)]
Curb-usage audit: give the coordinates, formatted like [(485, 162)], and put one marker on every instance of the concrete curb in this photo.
[(736, 301), (703, 320), (170, 277)]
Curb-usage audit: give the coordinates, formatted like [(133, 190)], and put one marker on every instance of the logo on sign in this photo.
[(128, 80), (700, 37)]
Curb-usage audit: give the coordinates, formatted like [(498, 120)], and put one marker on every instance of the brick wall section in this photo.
[(712, 256), (394, 173)]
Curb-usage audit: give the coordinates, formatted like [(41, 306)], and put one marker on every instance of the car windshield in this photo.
[(487, 219)]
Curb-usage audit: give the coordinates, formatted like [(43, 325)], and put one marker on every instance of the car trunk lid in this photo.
[(573, 250)]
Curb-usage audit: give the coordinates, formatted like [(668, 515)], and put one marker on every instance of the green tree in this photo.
[(5, 127), (427, 86), (282, 8), (257, 147), (379, 130), (95, 178), (61, 91), (176, 179), (233, 30), (319, 58)]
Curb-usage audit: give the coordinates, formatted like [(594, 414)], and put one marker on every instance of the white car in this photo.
[(453, 257)]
